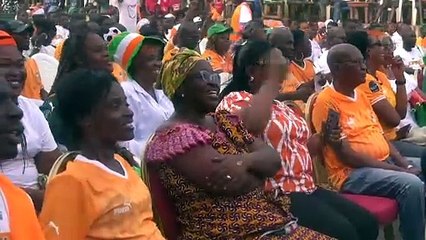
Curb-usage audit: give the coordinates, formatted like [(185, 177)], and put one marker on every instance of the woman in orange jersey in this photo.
[(99, 195), (390, 106)]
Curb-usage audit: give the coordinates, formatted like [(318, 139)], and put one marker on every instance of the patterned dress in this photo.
[(201, 215)]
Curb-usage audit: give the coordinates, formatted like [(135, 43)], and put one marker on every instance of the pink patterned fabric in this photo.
[(171, 142)]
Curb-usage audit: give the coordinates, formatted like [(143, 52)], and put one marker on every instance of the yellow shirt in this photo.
[(90, 201)]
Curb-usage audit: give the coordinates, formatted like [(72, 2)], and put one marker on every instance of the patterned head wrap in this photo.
[(175, 71)]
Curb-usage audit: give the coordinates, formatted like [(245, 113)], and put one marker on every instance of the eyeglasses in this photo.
[(210, 77)]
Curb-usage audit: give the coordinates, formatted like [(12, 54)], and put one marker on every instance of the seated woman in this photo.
[(149, 105), (38, 150), (389, 106), (211, 161), (108, 200), (251, 97)]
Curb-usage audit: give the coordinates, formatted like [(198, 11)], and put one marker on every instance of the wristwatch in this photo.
[(410, 166)]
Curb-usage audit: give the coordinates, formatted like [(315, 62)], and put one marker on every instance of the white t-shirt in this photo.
[(412, 59), (321, 65), (22, 170), (48, 68), (127, 14), (148, 114), (410, 85), (245, 14), (397, 40), (316, 51)]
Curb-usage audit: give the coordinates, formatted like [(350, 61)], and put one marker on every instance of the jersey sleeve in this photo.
[(372, 90), (66, 212)]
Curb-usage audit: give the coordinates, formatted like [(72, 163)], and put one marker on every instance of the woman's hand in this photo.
[(398, 68)]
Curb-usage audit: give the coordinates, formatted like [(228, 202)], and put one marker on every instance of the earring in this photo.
[(251, 78), (183, 95)]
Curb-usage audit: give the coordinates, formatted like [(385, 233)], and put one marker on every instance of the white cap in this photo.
[(197, 19), (142, 22), (169, 15)]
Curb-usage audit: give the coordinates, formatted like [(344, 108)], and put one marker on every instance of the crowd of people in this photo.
[(109, 128)]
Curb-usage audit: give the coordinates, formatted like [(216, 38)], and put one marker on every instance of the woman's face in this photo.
[(12, 68), (112, 120), (388, 49), (201, 88), (376, 52), (148, 61), (223, 43), (96, 53)]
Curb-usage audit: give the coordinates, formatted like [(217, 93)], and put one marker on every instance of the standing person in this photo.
[(128, 16), (252, 97), (213, 162), (38, 151), (240, 17), (140, 56), (108, 200), (187, 36), (19, 219), (358, 157)]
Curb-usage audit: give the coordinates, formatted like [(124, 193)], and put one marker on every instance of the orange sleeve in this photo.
[(66, 213), (320, 112), (372, 90), (32, 86), (213, 60)]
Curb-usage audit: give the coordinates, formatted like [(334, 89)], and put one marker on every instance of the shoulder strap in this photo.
[(61, 164)]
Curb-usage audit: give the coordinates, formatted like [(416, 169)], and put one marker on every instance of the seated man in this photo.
[(358, 157)]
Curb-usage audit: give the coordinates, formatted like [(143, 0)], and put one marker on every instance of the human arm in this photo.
[(401, 92), (37, 197), (66, 216), (303, 92)]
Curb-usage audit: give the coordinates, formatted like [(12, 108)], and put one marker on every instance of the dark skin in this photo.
[(408, 41), (348, 70), (213, 167), (12, 70), (96, 53), (283, 40), (385, 112), (148, 62), (110, 122), (188, 35), (222, 43)]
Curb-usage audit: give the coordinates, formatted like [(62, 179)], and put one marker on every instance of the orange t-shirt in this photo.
[(219, 63), (297, 76), (33, 85), (20, 213), (58, 50), (90, 201), (216, 16), (359, 124), (119, 73), (379, 88), (235, 22)]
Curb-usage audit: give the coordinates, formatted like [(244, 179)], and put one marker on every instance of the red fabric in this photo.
[(384, 209), (164, 206)]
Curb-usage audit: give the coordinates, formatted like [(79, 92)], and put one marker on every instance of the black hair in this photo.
[(246, 55), (150, 30), (360, 40), (73, 54), (77, 95), (251, 27), (298, 36)]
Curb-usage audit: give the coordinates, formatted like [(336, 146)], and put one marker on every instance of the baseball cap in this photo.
[(218, 28), (16, 26)]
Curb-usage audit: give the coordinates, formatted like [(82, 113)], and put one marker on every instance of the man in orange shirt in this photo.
[(358, 157)]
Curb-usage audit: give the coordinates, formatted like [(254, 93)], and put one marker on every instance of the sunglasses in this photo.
[(209, 77)]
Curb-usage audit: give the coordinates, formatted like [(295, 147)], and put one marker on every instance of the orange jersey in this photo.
[(219, 63), (235, 21), (19, 214), (58, 50), (378, 88), (297, 76), (216, 16), (90, 201), (359, 125), (33, 85)]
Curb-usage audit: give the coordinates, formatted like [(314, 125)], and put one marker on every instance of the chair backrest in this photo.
[(320, 172), (164, 211)]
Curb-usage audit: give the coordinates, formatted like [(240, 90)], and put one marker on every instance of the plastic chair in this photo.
[(384, 209)]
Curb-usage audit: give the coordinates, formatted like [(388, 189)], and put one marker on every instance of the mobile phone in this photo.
[(332, 120)]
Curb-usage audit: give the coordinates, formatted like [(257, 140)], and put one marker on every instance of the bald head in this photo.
[(188, 35), (335, 35), (282, 39), (347, 65)]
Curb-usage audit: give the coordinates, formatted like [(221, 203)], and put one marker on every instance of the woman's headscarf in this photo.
[(175, 71)]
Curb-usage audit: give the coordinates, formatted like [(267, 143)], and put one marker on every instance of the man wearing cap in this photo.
[(217, 52), (20, 32)]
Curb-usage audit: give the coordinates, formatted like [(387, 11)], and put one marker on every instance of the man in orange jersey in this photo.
[(358, 157)]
